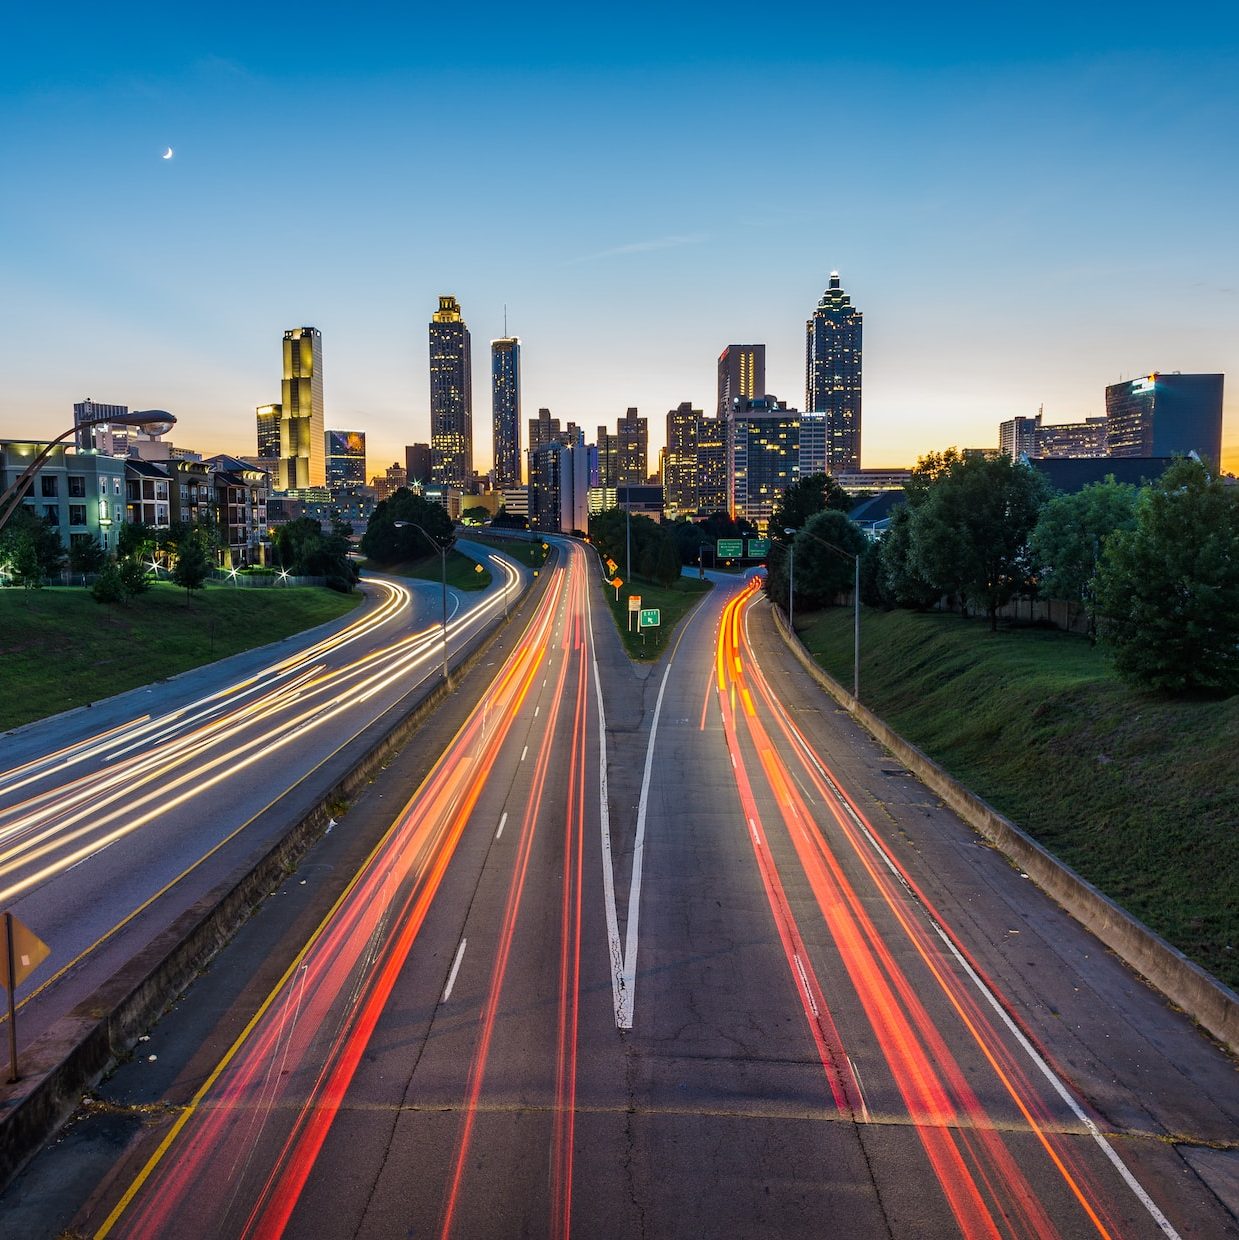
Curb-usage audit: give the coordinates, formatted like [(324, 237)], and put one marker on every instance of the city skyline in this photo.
[(986, 224)]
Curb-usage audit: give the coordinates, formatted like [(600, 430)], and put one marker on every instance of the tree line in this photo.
[(1155, 569)]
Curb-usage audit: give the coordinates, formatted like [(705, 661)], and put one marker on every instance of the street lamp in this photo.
[(443, 564), (855, 598), (12, 498)]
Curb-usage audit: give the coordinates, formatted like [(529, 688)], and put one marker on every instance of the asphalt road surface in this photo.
[(660, 951), (116, 819)]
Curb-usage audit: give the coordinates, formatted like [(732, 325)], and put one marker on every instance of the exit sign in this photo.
[(650, 618)]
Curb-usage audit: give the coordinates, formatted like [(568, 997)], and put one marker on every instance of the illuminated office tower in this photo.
[(451, 398), (741, 375), (505, 394), (712, 466), (833, 381), (763, 457), (679, 460), (634, 455), (346, 462), (1166, 415), (302, 461), (268, 418)]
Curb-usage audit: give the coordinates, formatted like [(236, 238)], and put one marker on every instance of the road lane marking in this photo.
[(804, 981), (524, 753), (983, 987), (604, 820), (451, 977), (628, 994), (864, 1102), (501, 822)]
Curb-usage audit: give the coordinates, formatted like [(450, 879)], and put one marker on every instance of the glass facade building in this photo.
[(1166, 415), (833, 378), (346, 461), (451, 398), (505, 390), (763, 457)]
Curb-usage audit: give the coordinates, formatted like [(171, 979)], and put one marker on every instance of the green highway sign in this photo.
[(759, 548), (730, 548), (650, 618)]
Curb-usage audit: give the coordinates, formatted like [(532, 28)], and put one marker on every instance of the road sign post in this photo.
[(21, 952), (634, 609)]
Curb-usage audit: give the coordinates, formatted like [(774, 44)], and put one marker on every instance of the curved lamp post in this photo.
[(443, 565), (791, 550), (12, 498)]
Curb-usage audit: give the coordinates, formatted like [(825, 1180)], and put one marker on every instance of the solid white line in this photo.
[(991, 998), (804, 981), (501, 822), (451, 977), (864, 1103), (604, 819), (638, 857)]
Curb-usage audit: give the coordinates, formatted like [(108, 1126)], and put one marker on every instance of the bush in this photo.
[(109, 586)]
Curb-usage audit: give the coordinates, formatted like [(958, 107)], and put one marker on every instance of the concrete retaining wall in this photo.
[(77, 1051), (1206, 1000)]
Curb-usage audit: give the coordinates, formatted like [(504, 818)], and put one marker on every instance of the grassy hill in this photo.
[(60, 649), (1138, 793)]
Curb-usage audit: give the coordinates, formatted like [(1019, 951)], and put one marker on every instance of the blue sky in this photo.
[(1027, 204)]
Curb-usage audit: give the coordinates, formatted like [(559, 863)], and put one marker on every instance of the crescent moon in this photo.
[(167, 154)]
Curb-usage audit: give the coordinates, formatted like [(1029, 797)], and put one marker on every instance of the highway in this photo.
[(661, 951), (114, 820)]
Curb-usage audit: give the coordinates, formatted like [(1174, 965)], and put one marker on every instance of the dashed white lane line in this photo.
[(501, 822), (451, 977)]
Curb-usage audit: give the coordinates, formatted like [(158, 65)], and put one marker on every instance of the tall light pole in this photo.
[(443, 567), (11, 500), (855, 600)]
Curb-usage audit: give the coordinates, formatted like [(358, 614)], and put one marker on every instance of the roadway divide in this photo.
[(82, 1047), (1212, 1005)]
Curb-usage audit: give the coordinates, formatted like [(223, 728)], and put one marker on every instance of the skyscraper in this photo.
[(1166, 415), (763, 457), (346, 462), (634, 454), (741, 375), (679, 459), (268, 419), (302, 462), (833, 381), (451, 398), (505, 391)]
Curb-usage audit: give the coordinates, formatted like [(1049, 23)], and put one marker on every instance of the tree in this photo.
[(1070, 536), (384, 542), (475, 514), (901, 583), (31, 546), (505, 520), (134, 576), (805, 498), (822, 572), (192, 565), (137, 539), (86, 555), (1167, 590), (969, 533)]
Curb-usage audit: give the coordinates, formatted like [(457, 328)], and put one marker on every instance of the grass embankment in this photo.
[(462, 571), (60, 649), (522, 550), (673, 602), (1138, 793)]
